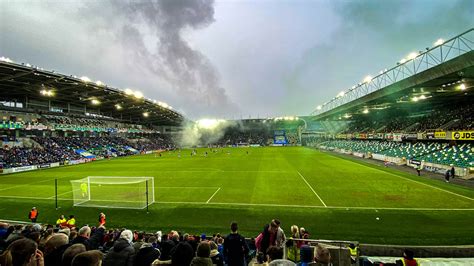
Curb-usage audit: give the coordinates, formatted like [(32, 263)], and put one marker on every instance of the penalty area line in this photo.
[(304, 179), (213, 195)]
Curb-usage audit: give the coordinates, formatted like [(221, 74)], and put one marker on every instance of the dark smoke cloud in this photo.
[(186, 70)]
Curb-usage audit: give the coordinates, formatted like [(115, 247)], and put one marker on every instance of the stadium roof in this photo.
[(439, 76), (25, 83)]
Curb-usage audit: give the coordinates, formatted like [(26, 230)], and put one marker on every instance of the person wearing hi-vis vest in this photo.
[(33, 215), (354, 250), (408, 259), (61, 221)]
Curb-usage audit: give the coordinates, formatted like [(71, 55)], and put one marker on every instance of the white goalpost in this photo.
[(113, 192)]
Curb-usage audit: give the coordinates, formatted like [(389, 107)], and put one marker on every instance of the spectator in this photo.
[(88, 258), (22, 252), (293, 246), (216, 257), (275, 257), (138, 244), (147, 253), (202, 255), (183, 254), (83, 237), (280, 236), (54, 249), (71, 252), (267, 237), (322, 256), (122, 253), (306, 255), (166, 248), (235, 247)]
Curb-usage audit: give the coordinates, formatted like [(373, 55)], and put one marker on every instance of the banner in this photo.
[(397, 136), (409, 136), (430, 135), (440, 135), (463, 135), (23, 168), (43, 166)]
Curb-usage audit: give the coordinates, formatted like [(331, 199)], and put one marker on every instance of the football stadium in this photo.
[(381, 173)]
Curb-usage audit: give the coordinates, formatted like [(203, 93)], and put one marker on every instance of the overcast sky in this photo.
[(227, 59)]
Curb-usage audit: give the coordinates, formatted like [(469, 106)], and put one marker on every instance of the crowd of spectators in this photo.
[(35, 244), (459, 118), (19, 156), (63, 149)]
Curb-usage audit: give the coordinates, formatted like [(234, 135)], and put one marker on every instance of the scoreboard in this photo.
[(279, 137)]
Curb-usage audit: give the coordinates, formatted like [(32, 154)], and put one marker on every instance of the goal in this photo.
[(113, 192)]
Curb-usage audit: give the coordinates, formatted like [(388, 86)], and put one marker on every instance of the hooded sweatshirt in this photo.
[(121, 254)]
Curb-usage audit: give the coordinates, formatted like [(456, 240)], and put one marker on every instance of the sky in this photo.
[(227, 59)]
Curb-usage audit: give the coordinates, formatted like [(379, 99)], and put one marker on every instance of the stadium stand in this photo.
[(442, 153)]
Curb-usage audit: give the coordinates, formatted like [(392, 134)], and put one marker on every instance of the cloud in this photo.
[(374, 35)]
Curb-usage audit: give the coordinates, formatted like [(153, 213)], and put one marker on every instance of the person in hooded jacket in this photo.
[(147, 253), (122, 253)]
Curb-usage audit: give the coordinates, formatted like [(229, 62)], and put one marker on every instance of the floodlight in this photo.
[(99, 83), (366, 111), (340, 94), (138, 94), (415, 99), (462, 87), (145, 114), (6, 59), (128, 91), (412, 56), (367, 79), (118, 107), (48, 93), (319, 107), (209, 123), (85, 79), (439, 42), (422, 97), (95, 102), (402, 61)]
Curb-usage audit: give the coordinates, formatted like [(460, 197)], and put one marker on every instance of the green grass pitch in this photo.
[(332, 197)]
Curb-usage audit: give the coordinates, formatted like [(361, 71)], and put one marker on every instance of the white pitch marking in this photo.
[(213, 195), (70, 191), (409, 179), (304, 179), (268, 205), (37, 182)]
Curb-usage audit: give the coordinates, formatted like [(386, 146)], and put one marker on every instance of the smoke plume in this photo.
[(151, 34)]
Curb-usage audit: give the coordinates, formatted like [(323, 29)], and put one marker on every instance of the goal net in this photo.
[(113, 192)]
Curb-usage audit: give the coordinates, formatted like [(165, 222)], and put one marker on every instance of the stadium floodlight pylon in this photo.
[(113, 192)]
